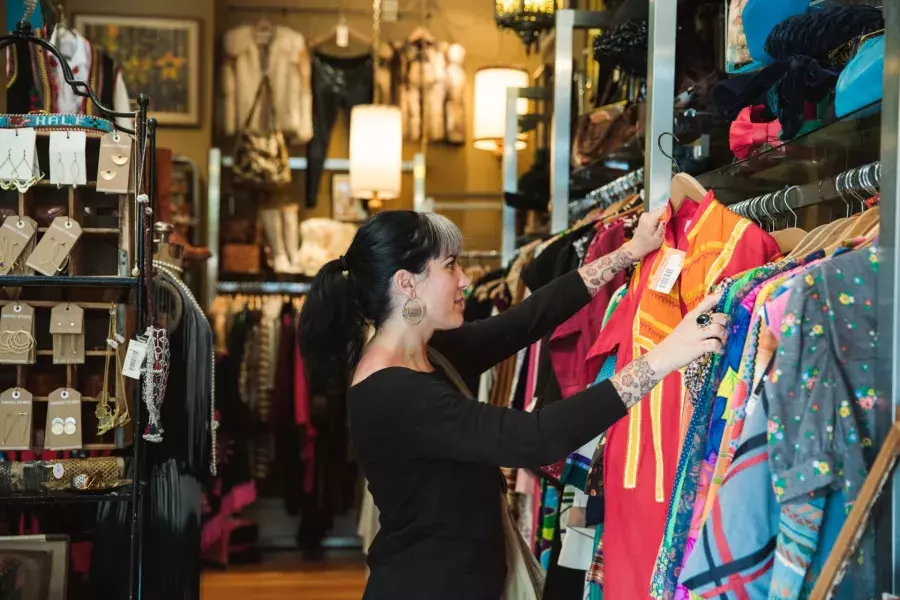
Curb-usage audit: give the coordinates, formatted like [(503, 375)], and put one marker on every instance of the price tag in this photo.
[(669, 269), (134, 359)]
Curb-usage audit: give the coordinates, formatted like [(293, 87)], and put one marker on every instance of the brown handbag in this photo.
[(261, 157)]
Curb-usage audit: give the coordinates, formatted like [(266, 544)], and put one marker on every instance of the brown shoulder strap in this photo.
[(438, 359)]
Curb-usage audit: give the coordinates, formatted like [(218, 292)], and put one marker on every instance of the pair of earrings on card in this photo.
[(67, 158), (19, 168)]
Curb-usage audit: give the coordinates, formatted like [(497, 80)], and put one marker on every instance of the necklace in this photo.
[(168, 272)]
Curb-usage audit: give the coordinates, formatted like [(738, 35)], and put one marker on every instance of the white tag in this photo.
[(669, 271), (342, 34), (389, 11), (59, 471), (18, 155), (134, 359), (67, 161)]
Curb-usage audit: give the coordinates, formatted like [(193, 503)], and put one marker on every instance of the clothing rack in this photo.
[(847, 186), (135, 280), (282, 288), (615, 190), (286, 9), (480, 254)]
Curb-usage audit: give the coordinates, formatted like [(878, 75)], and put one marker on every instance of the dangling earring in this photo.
[(413, 312)]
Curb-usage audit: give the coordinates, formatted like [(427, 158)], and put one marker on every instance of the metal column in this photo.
[(888, 357), (511, 163), (213, 215), (567, 21), (660, 101)]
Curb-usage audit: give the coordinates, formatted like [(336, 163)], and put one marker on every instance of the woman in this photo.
[(430, 452)]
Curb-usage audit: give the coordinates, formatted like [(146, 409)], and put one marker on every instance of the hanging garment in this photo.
[(285, 58), (35, 81), (641, 452), (826, 336), (427, 80), (339, 84)]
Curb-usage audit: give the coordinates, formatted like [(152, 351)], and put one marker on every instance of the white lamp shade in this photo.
[(376, 151), (490, 105)]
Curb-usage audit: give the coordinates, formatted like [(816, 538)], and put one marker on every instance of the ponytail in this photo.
[(353, 292), (332, 328)]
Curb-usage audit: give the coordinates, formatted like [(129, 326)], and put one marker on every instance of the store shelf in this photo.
[(83, 399), (844, 144), (263, 287), (68, 282), (91, 230), (65, 497)]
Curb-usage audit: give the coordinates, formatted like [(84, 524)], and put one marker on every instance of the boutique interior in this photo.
[(173, 176)]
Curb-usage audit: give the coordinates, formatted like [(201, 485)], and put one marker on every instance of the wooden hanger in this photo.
[(420, 34), (683, 185), (788, 238)]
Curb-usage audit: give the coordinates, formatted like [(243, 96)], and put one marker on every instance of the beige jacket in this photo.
[(289, 75)]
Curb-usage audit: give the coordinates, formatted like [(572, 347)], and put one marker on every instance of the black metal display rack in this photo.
[(129, 286)]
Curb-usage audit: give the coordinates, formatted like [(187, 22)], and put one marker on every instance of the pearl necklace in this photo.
[(169, 271)]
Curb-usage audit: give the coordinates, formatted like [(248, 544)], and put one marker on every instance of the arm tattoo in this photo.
[(635, 381), (601, 271)]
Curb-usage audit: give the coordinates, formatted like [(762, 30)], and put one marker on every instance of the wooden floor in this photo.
[(284, 577)]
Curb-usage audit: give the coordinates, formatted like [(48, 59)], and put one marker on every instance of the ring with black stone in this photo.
[(703, 320)]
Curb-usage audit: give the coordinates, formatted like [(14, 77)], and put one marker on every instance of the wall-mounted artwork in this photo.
[(158, 56)]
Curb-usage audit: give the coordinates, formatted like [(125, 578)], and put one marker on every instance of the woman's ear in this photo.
[(404, 283)]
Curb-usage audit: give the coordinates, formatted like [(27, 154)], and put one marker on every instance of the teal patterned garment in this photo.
[(823, 396)]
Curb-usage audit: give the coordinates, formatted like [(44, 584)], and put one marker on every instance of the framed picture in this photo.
[(158, 56), (34, 567), (343, 206)]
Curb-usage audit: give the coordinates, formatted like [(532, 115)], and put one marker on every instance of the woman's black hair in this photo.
[(353, 292)]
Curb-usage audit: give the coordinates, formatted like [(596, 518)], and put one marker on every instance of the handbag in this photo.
[(524, 574), (861, 82), (261, 157)]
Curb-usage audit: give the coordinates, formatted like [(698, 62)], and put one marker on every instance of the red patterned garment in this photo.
[(641, 454)]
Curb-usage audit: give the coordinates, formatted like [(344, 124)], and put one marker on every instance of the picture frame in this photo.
[(344, 207), (36, 565), (159, 56)]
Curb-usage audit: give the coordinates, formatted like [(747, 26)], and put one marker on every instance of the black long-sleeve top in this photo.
[(431, 454)]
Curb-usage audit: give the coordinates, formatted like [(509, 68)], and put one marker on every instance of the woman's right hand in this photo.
[(690, 340)]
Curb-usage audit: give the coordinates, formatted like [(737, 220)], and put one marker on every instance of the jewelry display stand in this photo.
[(108, 267)]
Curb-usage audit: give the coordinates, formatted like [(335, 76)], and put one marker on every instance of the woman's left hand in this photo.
[(648, 235)]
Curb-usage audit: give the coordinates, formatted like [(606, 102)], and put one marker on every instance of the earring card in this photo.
[(17, 334), (114, 165), (53, 249), (15, 234), (18, 155), (64, 407), (67, 158), (16, 419), (67, 328)]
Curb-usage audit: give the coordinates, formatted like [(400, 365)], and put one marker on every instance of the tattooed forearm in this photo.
[(635, 381), (601, 271)]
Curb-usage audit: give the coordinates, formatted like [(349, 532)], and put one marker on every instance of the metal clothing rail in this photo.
[(286, 9), (615, 190), (847, 186)]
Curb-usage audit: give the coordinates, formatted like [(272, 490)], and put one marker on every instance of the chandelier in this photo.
[(528, 18)]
